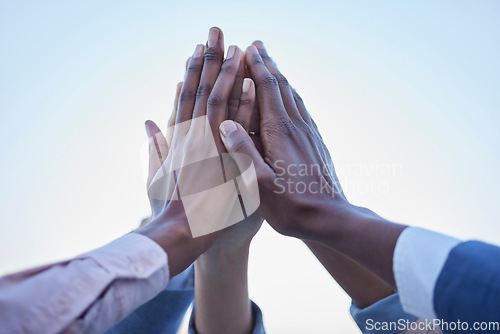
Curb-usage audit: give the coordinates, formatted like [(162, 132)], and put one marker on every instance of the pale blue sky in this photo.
[(409, 85)]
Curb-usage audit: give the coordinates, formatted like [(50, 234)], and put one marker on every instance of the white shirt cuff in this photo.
[(419, 257)]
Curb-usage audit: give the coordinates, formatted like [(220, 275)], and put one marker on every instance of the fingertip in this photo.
[(248, 86), (250, 52), (251, 49), (227, 127), (216, 28), (151, 128), (215, 37), (258, 44)]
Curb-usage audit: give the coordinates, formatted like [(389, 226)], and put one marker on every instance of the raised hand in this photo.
[(299, 190), (295, 172)]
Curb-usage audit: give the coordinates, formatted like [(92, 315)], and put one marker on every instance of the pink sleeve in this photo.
[(88, 293)]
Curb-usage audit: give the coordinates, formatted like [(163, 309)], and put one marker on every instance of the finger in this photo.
[(158, 149), (173, 116), (247, 102), (284, 86), (255, 120), (268, 92), (219, 97), (171, 121), (237, 141), (213, 58), (234, 100), (303, 110), (187, 96)]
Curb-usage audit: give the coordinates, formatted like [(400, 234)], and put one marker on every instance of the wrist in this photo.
[(336, 219), (173, 235), (220, 256)]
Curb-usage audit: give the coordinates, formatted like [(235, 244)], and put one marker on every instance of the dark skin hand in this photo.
[(360, 284), (320, 214)]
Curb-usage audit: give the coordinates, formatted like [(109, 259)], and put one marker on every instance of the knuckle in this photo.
[(268, 80), (242, 123), (187, 95), (265, 57), (215, 100), (241, 145), (194, 67), (296, 96), (282, 80), (211, 55), (257, 60), (203, 90), (228, 69), (245, 102)]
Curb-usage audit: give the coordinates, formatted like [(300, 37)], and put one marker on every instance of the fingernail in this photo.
[(255, 50), (260, 44), (230, 51), (198, 51), (151, 129), (213, 37), (227, 127), (246, 85)]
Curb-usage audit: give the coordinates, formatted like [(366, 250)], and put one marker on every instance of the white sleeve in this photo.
[(419, 257), (85, 294)]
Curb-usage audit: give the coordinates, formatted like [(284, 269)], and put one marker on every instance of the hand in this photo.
[(300, 193), (296, 175)]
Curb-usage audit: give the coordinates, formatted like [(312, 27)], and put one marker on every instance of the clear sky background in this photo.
[(406, 95)]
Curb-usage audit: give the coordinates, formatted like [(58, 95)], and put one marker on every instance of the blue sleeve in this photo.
[(258, 323), (468, 287), (164, 313), (383, 317)]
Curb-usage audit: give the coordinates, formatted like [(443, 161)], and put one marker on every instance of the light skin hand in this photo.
[(221, 289)]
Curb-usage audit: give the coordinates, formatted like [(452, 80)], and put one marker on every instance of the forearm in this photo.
[(222, 304), (80, 294), (360, 284), (172, 234), (359, 234)]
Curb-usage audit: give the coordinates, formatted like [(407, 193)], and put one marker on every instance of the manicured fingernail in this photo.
[(227, 127), (230, 51), (246, 85), (198, 51), (213, 37)]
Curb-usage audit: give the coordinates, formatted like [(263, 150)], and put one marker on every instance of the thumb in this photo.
[(158, 149), (237, 140)]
